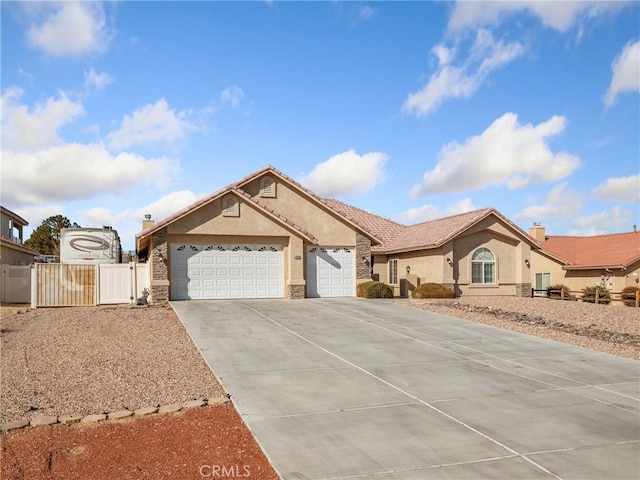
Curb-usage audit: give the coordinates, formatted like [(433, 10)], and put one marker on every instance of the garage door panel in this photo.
[(330, 272), (226, 271)]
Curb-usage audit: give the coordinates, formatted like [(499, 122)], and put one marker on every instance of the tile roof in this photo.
[(383, 228), (435, 233), (599, 251)]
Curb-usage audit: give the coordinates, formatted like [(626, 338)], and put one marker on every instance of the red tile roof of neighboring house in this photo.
[(383, 228), (599, 251)]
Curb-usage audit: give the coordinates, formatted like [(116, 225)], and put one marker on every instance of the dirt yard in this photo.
[(95, 360)]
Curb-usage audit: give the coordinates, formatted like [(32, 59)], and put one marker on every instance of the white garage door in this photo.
[(330, 272), (226, 271)]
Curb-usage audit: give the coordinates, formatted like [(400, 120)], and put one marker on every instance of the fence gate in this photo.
[(62, 285), (122, 283), (15, 284)]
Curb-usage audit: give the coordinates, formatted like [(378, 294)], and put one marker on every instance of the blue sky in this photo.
[(411, 110)]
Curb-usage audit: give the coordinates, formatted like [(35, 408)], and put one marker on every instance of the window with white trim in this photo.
[(393, 271), (483, 267), (230, 206), (267, 187)]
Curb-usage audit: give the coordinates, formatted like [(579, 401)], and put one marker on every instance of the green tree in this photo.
[(46, 238)]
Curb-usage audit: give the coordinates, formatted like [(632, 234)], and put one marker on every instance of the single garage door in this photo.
[(330, 272), (226, 271)]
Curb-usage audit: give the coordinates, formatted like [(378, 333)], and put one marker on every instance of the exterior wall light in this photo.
[(408, 269), (527, 263), (449, 262)]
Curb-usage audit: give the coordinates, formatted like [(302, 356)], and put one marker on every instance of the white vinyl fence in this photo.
[(65, 285)]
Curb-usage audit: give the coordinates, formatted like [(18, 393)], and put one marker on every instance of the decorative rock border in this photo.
[(43, 420)]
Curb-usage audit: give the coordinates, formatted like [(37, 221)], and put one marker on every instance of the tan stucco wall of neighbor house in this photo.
[(615, 279), (13, 256)]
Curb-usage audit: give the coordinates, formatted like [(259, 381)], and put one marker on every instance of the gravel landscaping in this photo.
[(605, 328), (92, 360)]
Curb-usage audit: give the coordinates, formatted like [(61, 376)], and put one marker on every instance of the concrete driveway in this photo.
[(349, 388)]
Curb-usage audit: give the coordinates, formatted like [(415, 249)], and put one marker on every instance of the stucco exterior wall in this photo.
[(614, 279), (296, 207), (12, 256), (431, 265)]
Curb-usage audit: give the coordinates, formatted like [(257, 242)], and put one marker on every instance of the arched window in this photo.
[(483, 267), (267, 187), (230, 206)]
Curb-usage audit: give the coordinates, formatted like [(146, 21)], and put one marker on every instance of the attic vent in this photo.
[(267, 187), (230, 206)]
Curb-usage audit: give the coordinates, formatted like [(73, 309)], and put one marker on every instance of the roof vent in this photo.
[(147, 216)]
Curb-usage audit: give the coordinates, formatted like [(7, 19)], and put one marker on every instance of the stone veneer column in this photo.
[(160, 279), (363, 249), (296, 292), (523, 289)]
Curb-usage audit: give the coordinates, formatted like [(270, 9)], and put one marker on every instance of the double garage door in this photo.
[(226, 271), (255, 271)]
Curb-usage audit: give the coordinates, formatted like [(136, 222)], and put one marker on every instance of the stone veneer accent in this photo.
[(523, 289), (363, 249), (160, 279), (296, 292)]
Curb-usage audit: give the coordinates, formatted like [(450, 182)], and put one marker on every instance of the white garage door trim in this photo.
[(226, 271), (331, 272)]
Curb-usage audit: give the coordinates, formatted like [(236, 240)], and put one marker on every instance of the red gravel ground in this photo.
[(202, 443)]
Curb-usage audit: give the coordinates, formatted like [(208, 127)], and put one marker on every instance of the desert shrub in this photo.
[(629, 296), (555, 291), (432, 290), (589, 295), (373, 289)]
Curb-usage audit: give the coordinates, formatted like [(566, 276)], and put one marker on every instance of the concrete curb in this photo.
[(43, 420)]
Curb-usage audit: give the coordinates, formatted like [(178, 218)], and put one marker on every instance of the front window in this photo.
[(483, 267), (393, 271)]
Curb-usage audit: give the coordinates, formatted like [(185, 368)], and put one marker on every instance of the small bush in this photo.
[(555, 291), (373, 289), (432, 290), (589, 295), (629, 296)]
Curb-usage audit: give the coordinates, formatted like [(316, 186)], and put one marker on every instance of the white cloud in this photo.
[(602, 223), (365, 13), (346, 173), (559, 202), (560, 16), (25, 130), (232, 95), (620, 189), (151, 123), (451, 81), (429, 212), (35, 214), (73, 171), (505, 153), (70, 29), (96, 81), (165, 206), (626, 73)]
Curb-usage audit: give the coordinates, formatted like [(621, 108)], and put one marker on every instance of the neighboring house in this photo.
[(612, 261), (12, 250), (267, 236)]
